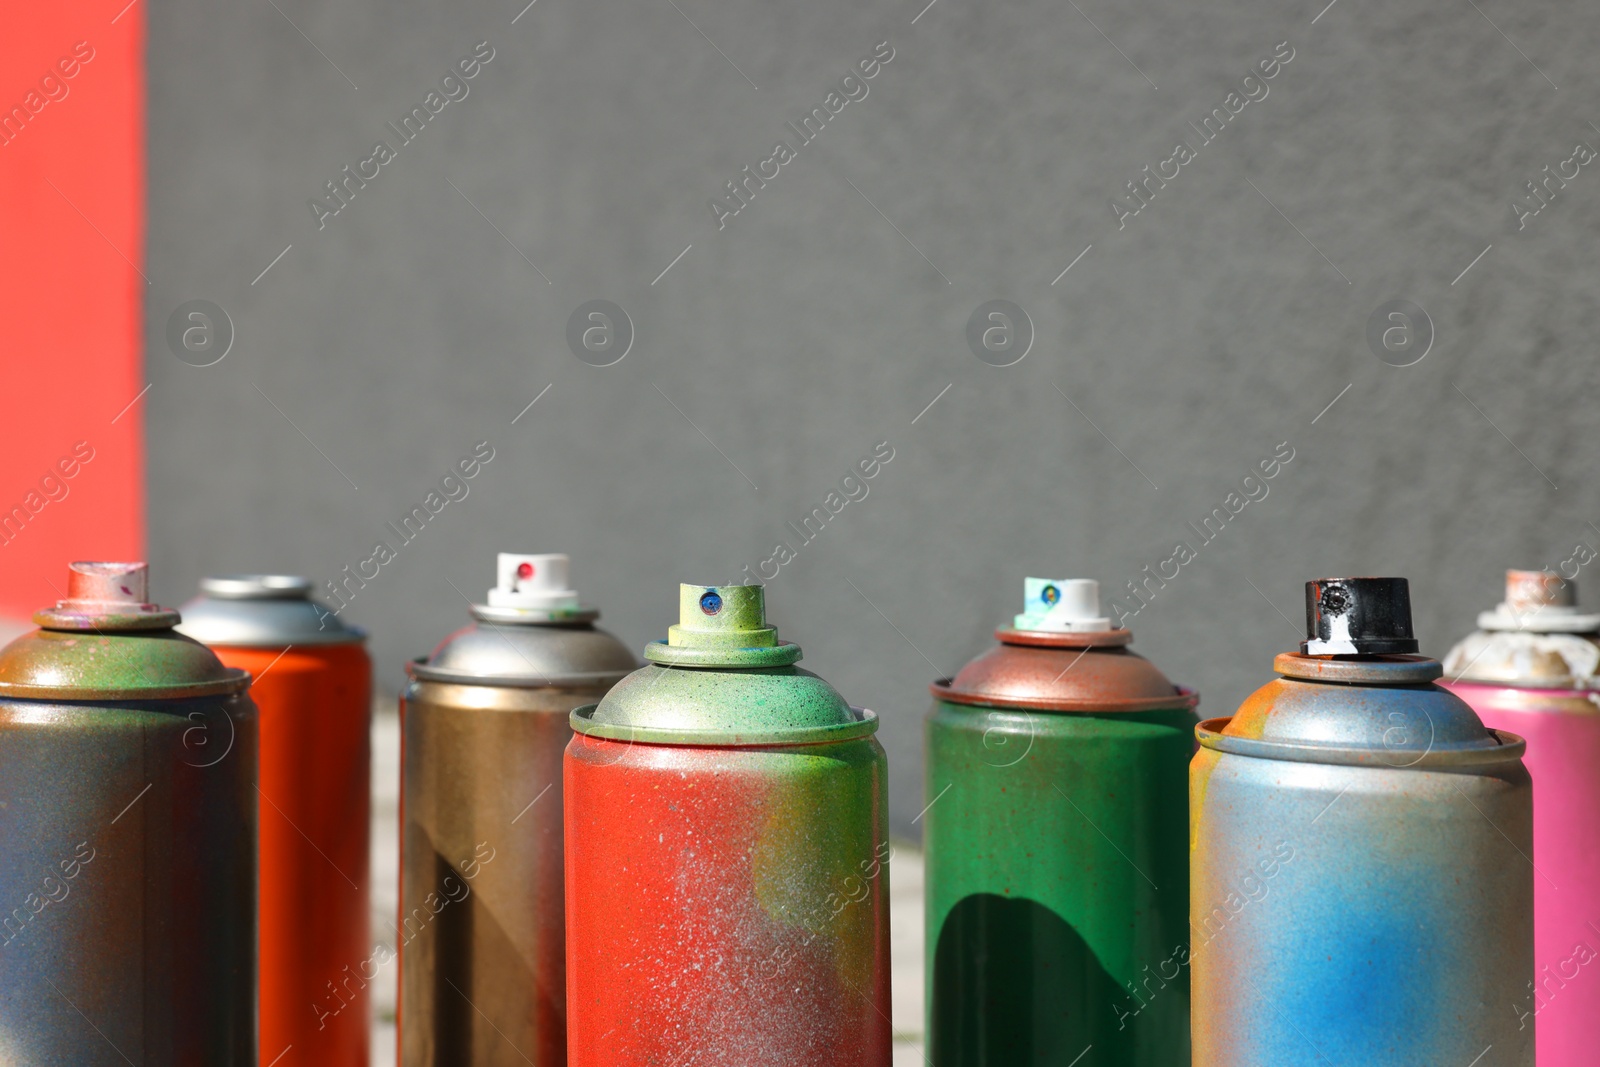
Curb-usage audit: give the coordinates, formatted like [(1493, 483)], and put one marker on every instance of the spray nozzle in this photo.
[(1358, 617), (121, 584), (1067, 606), (524, 580), (106, 596), (722, 626), (722, 616), (1540, 602)]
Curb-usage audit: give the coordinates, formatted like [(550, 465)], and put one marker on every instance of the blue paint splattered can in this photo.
[(1361, 888)]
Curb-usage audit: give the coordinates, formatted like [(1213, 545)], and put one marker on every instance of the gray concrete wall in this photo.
[(1181, 349)]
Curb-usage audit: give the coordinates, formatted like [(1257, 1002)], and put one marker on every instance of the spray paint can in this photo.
[(1533, 668), (727, 857), (312, 686), (482, 914), (128, 831), (1057, 878), (1361, 890)]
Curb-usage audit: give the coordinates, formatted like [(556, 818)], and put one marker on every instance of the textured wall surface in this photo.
[(1187, 343)]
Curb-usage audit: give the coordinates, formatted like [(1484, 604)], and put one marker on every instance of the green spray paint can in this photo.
[(1057, 848)]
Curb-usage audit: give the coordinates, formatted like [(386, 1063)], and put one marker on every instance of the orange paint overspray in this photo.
[(314, 796)]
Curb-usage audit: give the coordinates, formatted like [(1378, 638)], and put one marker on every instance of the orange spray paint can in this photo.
[(313, 686)]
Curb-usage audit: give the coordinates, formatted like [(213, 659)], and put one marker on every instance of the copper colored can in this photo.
[(313, 688), (481, 929)]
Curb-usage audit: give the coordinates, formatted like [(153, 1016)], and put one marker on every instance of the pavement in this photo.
[(905, 907)]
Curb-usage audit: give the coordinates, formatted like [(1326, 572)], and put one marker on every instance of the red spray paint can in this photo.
[(727, 858)]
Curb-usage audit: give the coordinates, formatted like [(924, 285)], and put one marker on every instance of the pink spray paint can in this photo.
[(1533, 668)]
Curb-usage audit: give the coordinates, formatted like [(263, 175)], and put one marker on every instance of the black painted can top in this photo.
[(1358, 617)]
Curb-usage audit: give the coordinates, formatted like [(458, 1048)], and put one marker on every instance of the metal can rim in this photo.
[(1181, 699), (1387, 670), (237, 681), (499, 616), (420, 669), (113, 622), (865, 725), (1117, 637), (1580, 700), (1564, 685), (782, 654), (1509, 748), (257, 586), (351, 636)]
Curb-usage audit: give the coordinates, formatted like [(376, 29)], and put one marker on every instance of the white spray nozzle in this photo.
[(1540, 602), (1069, 605), (525, 580)]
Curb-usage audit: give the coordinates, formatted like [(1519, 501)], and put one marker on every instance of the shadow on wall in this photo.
[(1012, 1005)]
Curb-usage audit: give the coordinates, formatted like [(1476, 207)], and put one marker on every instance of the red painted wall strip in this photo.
[(71, 292)]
